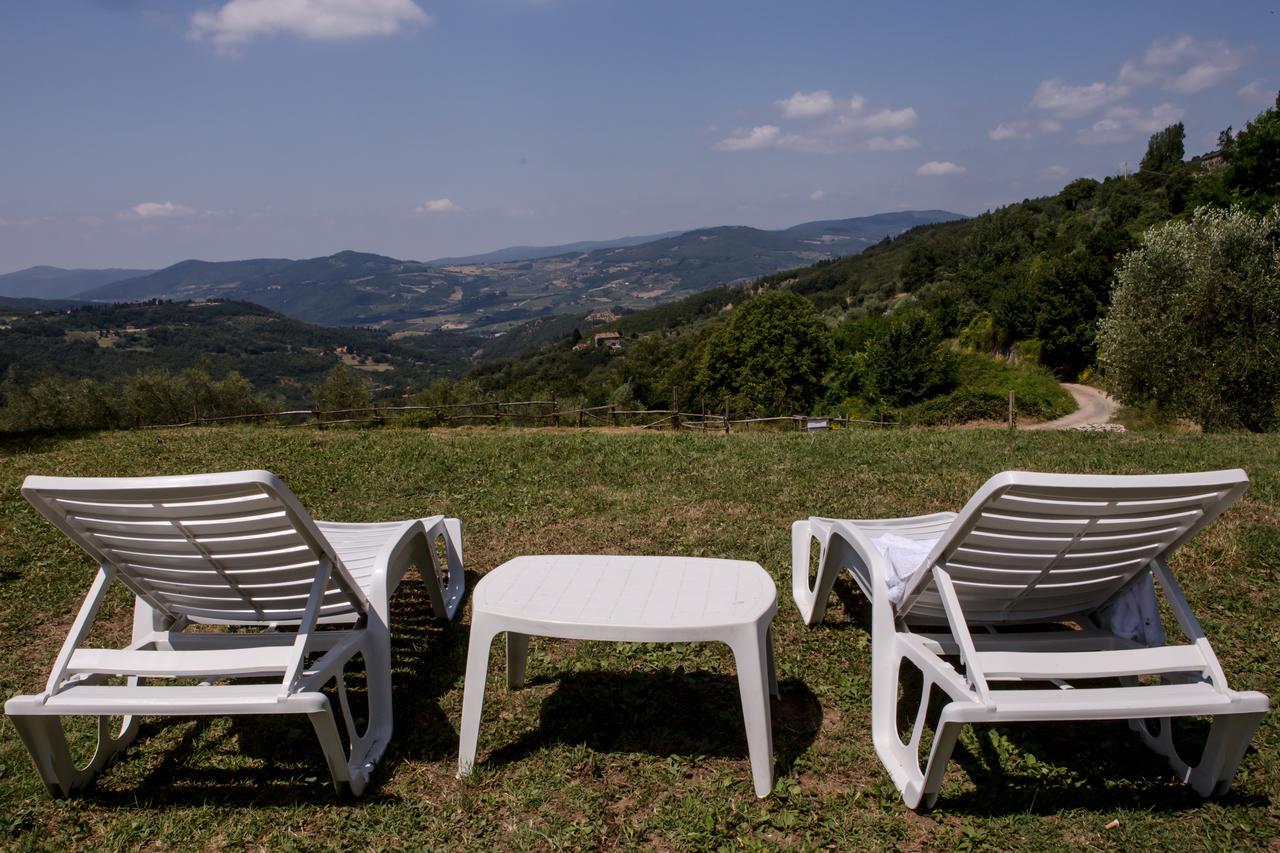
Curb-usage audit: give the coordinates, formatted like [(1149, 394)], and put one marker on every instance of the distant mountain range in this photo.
[(532, 253), (56, 283), (500, 290)]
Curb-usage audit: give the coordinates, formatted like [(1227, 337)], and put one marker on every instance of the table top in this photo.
[(636, 592)]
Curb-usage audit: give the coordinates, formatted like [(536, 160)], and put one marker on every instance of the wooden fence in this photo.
[(538, 413)]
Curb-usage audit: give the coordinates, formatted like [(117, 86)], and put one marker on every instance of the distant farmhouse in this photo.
[(608, 340), (612, 340), (1210, 162)]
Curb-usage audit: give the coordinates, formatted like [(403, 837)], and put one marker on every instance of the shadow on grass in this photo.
[(287, 765), (664, 713), (1101, 766)]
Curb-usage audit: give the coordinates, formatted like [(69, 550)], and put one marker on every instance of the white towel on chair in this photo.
[(903, 557), (1134, 613)]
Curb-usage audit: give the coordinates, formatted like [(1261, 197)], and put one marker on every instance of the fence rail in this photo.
[(521, 413)]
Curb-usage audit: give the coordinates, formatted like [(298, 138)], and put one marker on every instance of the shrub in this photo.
[(1194, 327)]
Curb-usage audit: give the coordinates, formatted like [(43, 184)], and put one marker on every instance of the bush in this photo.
[(1194, 327), (909, 362)]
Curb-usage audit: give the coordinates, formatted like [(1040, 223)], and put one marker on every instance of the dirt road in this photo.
[(1095, 407)]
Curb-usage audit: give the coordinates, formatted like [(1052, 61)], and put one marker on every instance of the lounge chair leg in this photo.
[(944, 743), (326, 729), (366, 754), (46, 741), (1229, 736), (811, 600), (473, 693), (750, 654), (517, 659)]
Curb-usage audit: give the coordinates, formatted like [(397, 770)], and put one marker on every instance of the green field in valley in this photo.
[(634, 745)]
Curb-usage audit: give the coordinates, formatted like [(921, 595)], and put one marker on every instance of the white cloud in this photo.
[(762, 136), (156, 210), (901, 142), (1104, 131), (888, 120), (1133, 73), (238, 21), (437, 205), (1055, 172), (817, 195), (1158, 118), (1186, 64), (1254, 92), (1122, 124), (1067, 101), (1205, 75), (1049, 125), (807, 104), (1010, 130), (1170, 51), (936, 168), (846, 132)]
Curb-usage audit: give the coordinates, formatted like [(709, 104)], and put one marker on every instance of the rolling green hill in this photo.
[(45, 282), (916, 321), (360, 289), (278, 355)]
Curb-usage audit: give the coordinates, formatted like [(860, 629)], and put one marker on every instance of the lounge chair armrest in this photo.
[(860, 546)]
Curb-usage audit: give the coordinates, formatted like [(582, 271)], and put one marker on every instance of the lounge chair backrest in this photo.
[(233, 548), (1032, 546)]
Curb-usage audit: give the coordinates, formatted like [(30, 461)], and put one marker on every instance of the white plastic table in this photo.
[(631, 599)]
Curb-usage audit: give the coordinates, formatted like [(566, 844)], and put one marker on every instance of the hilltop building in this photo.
[(612, 340)]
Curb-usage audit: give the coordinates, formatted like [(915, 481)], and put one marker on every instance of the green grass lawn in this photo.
[(635, 745)]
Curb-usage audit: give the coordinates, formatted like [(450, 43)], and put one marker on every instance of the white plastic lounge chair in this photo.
[(1037, 548), (227, 549)]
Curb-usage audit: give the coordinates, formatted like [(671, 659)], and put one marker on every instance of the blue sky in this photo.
[(144, 132)]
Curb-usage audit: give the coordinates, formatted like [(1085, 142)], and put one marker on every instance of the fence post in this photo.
[(726, 415), (497, 413), (613, 413), (804, 423), (1011, 401), (580, 415), (555, 411), (704, 410), (675, 408)]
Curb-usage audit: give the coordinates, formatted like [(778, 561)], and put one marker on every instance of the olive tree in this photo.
[(771, 356), (1194, 325)]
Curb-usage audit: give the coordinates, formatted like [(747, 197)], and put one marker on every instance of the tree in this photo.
[(1165, 150), (772, 355), (343, 388), (909, 362), (1253, 173), (1194, 325)]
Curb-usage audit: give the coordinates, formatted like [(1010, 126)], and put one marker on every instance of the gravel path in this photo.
[(1094, 407)]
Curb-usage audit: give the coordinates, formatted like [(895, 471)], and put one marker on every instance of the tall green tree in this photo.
[(1165, 150), (909, 362), (771, 356), (343, 388), (1194, 326), (1253, 157)]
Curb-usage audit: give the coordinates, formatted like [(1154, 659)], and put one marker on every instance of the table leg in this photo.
[(750, 654), (482, 634), (773, 670), (517, 659)]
